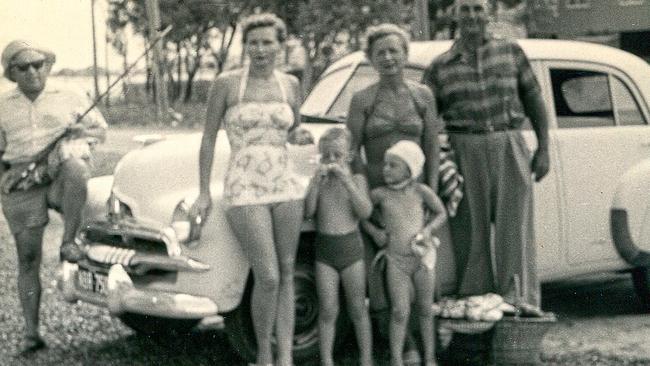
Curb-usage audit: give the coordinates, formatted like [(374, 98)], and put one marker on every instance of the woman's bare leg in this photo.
[(253, 228), (287, 219)]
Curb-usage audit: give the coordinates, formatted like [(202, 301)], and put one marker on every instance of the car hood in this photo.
[(154, 179)]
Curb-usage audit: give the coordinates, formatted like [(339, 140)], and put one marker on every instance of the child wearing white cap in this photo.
[(412, 214)]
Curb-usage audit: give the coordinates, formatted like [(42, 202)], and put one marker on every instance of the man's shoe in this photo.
[(531, 311), (70, 252), (31, 344)]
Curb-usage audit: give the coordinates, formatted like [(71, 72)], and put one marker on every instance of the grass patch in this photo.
[(191, 115), (104, 162)]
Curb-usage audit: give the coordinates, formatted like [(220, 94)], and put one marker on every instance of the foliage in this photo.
[(324, 27), (199, 28), (203, 30)]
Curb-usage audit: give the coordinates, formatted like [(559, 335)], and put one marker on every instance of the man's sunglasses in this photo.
[(35, 64)]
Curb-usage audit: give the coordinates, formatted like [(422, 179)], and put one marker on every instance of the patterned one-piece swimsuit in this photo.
[(259, 171)]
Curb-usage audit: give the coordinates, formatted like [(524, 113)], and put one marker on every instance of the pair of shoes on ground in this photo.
[(31, 344), (71, 252)]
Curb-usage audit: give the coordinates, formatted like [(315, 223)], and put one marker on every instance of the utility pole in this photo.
[(421, 26), (106, 70), (160, 87), (95, 72)]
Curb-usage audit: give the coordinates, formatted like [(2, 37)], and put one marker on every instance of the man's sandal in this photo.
[(70, 252)]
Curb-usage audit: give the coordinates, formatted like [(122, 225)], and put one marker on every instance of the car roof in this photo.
[(422, 53)]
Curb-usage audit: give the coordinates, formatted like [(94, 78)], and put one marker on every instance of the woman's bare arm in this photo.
[(217, 103), (430, 142), (355, 123)]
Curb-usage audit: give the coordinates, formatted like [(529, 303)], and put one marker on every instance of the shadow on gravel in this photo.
[(200, 348)]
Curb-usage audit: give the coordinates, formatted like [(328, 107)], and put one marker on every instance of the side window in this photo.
[(627, 109), (582, 98)]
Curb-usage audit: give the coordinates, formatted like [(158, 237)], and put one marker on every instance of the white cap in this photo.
[(412, 155)]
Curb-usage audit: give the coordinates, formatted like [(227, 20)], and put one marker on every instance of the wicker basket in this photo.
[(465, 326), (518, 340)]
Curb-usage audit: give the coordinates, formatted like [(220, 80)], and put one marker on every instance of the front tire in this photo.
[(239, 325)]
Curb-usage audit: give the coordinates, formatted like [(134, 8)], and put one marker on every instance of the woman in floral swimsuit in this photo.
[(258, 106)]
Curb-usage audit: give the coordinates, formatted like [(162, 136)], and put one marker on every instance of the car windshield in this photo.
[(330, 97)]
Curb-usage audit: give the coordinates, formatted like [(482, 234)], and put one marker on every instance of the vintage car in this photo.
[(591, 211)]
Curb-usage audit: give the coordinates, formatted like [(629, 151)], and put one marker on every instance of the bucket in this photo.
[(518, 340)]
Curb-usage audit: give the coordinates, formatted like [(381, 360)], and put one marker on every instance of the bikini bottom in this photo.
[(339, 251)]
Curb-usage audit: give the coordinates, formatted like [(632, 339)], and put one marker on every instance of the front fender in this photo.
[(99, 189), (629, 215)]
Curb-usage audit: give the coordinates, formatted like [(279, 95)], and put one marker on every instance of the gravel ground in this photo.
[(599, 325), (82, 334)]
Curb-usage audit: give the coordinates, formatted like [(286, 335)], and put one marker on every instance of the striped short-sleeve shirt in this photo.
[(485, 95)]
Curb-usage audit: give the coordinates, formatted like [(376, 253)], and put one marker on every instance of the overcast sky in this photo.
[(64, 26)]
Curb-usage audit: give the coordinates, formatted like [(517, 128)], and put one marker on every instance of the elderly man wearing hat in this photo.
[(32, 117)]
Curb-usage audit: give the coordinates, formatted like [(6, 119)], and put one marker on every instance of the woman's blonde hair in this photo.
[(377, 32), (264, 20)]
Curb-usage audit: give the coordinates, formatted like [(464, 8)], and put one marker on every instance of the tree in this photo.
[(321, 25), (192, 35)]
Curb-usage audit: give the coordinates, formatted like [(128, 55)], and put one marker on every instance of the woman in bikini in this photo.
[(388, 111), (258, 107)]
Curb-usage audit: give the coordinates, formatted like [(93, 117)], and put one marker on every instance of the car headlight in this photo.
[(186, 226), (117, 209)]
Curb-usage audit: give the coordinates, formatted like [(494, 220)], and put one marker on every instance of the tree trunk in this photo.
[(308, 72), (125, 66), (188, 85), (147, 62), (179, 70)]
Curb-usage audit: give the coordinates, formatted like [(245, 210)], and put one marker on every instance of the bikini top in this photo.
[(379, 123), (258, 123)]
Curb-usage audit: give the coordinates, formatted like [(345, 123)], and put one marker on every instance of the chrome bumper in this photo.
[(120, 296)]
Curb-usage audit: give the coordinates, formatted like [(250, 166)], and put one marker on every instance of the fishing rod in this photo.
[(34, 172), (126, 71)]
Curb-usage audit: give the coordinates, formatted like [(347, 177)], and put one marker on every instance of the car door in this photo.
[(601, 132), (548, 234)]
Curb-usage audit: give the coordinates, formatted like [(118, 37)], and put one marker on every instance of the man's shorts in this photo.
[(29, 209), (26, 209)]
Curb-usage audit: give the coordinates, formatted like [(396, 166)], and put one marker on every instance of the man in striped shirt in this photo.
[(32, 117), (486, 91)]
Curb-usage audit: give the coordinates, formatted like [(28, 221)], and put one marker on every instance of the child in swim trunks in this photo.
[(412, 214), (338, 200)]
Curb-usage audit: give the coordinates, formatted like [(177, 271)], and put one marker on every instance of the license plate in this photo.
[(92, 281)]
